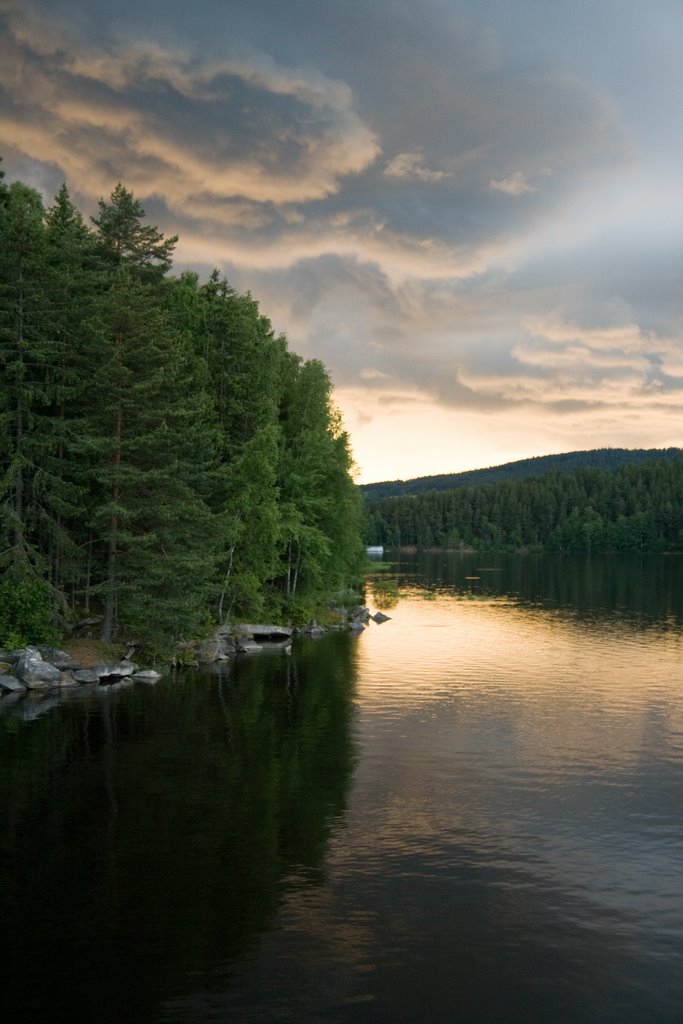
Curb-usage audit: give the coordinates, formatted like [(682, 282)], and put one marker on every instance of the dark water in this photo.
[(472, 813)]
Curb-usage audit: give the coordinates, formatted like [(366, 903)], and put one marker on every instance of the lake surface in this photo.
[(471, 813)]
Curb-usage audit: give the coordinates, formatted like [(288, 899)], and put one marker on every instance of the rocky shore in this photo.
[(42, 668)]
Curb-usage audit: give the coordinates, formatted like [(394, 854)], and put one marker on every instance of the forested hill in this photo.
[(634, 507), (598, 458), (165, 460)]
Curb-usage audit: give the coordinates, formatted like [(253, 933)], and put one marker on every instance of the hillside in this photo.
[(636, 507), (597, 458)]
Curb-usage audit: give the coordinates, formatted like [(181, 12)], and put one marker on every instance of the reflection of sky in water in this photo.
[(512, 848), (549, 748)]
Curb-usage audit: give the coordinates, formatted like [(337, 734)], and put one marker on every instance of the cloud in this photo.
[(516, 184), (180, 125), (411, 167), (456, 208)]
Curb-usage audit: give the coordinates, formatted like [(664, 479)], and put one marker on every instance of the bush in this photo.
[(26, 613)]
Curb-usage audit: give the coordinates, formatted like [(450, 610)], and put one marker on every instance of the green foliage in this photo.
[(523, 469), (637, 507), (26, 613), (164, 458)]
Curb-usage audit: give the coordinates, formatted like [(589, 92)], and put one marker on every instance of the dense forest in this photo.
[(636, 507), (165, 460), (596, 458)]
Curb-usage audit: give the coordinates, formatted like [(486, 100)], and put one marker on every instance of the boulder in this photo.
[(380, 617), (360, 614), (11, 657), (313, 629), (147, 675), (53, 655), (263, 632), (8, 684), (67, 679), (115, 670), (209, 651), (35, 673), (85, 675)]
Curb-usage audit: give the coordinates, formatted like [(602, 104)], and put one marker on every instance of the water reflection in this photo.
[(470, 812), (153, 838)]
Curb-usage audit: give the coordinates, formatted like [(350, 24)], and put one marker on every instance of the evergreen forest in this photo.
[(165, 460), (521, 469), (635, 507)]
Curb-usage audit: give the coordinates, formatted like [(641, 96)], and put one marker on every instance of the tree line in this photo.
[(165, 459), (636, 507), (596, 458)]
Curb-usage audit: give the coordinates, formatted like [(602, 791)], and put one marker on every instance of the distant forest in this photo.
[(634, 507), (597, 458), (165, 460)]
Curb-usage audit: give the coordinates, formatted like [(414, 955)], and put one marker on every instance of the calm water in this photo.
[(472, 813)]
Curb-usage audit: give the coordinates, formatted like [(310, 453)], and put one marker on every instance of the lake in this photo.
[(470, 813)]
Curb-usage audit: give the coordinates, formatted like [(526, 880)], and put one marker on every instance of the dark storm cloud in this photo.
[(469, 204)]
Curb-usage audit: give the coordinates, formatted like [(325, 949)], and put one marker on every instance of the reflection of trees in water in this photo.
[(156, 835), (644, 587)]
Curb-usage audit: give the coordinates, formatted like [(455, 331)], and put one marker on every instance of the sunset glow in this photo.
[(471, 212)]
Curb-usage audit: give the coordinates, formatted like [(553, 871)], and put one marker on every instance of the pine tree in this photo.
[(150, 441), (124, 240), (24, 334)]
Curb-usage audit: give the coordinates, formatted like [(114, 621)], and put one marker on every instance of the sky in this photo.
[(470, 210)]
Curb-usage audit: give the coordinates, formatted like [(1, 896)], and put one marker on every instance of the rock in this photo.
[(263, 632), (8, 684), (11, 657), (34, 672), (356, 626), (53, 655), (360, 614), (147, 675), (209, 651), (380, 617), (313, 629), (67, 680), (115, 670), (85, 675)]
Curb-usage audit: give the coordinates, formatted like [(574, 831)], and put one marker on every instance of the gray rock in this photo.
[(360, 613), (115, 670), (34, 672), (356, 627), (10, 656), (148, 675), (263, 632), (86, 675), (380, 617), (209, 651), (67, 680), (53, 655), (8, 684), (313, 629)]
